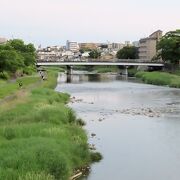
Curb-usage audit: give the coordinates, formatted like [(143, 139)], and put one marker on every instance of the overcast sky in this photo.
[(52, 22)]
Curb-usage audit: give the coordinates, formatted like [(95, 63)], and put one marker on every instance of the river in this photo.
[(135, 126)]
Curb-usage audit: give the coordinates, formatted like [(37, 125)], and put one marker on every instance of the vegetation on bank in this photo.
[(40, 137), (16, 59), (159, 78), (105, 69), (9, 87)]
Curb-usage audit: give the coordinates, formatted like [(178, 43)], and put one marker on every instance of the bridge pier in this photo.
[(125, 72), (69, 78), (69, 69)]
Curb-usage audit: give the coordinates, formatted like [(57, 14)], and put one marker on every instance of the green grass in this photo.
[(160, 78), (7, 88), (105, 69), (132, 71), (41, 138)]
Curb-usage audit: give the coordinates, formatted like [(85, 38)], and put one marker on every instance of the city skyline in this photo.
[(52, 22)]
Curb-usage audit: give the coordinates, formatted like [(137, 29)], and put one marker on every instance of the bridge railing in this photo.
[(104, 61)]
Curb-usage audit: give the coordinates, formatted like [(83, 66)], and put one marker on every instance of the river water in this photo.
[(135, 126)]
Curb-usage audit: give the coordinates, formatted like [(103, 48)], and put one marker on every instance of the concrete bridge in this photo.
[(113, 62)]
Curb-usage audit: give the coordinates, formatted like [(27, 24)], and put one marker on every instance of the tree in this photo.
[(16, 55), (94, 54), (10, 60), (169, 47), (18, 45), (27, 51), (128, 52)]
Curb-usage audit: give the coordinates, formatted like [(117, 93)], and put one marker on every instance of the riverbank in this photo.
[(41, 138), (159, 78)]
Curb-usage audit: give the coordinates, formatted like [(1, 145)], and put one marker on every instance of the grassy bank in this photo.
[(40, 137), (159, 78), (9, 87), (105, 69)]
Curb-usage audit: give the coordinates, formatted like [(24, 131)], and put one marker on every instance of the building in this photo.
[(147, 46), (127, 43), (3, 40), (135, 43), (72, 46), (87, 45), (117, 46)]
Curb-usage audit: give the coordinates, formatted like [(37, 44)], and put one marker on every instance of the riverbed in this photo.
[(135, 126)]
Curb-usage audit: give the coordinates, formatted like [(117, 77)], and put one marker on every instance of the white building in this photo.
[(72, 46)]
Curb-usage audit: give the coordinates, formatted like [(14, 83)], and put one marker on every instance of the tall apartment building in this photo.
[(72, 46), (147, 46)]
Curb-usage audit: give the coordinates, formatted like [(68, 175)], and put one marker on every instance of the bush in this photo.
[(28, 70), (4, 75), (80, 122), (96, 157)]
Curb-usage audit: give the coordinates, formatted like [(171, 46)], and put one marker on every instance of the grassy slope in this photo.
[(39, 136), (160, 78)]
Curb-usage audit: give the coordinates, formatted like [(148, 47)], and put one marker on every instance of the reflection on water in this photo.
[(136, 144)]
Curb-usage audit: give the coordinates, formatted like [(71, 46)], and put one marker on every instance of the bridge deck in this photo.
[(100, 63)]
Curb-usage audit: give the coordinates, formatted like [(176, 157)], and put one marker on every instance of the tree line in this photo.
[(16, 56)]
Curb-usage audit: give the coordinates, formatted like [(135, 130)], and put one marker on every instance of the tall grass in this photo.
[(41, 138), (159, 78)]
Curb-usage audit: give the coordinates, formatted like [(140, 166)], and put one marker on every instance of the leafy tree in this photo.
[(169, 47), (94, 54), (29, 58), (27, 51), (15, 54), (18, 45), (10, 60), (128, 52)]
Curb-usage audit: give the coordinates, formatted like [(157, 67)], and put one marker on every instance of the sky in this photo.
[(52, 22)]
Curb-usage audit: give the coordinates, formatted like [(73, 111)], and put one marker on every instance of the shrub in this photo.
[(96, 157), (4, 75), (80, 122), (28, 70)]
